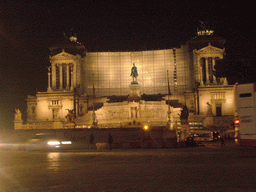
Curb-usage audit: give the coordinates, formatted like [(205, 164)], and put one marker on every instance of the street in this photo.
[(205, 168)]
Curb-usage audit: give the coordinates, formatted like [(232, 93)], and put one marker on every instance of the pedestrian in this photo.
[(110, 141), (222, 141), (91, 141)]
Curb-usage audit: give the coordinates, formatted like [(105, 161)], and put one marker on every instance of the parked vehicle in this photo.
[(245, 114), (202, 135)]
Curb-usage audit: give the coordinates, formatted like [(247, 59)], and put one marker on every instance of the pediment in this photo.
[(210, 50), (63, 56)]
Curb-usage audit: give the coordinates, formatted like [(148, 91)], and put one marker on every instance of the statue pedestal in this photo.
[(57, 125), (134, 93), (208, 121), (70, 125), (17, 125), (184, 132)]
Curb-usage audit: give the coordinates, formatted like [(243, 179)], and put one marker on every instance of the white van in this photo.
[(245, 114)]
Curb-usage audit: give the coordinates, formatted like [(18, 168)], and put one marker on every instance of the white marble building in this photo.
[(98, 83)]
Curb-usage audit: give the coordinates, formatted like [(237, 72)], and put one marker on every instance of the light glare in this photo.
[(53, 143), (66, 142)]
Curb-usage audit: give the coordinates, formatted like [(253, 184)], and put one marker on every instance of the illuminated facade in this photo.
[(75, 74), (111, 71)]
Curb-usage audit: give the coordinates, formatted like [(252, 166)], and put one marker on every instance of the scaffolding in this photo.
[(112, 71)]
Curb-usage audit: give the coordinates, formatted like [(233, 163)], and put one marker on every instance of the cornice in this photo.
[(63, 56), (209, 50)]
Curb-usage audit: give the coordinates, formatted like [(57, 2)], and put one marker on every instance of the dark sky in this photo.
[(27, 30)]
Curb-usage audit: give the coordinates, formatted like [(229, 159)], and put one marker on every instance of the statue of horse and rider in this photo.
[(134, 73)]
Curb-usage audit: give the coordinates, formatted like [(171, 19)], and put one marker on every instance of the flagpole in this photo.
[(94, 121), (93, 95)]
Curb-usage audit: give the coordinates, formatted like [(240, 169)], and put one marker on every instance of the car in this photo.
[(46, 141), (191, 142)]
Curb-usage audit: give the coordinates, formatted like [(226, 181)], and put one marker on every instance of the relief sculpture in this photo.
[(117, 114), (152, 113)]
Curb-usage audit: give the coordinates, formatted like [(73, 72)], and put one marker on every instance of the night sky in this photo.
[(27, 30)]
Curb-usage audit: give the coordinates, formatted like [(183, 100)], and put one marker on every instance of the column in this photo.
[(49, 79), (71, 71), (61, 78), (207, 71), (68, 77), (54, 76), (213, 64), (200, 69), (74, 78)]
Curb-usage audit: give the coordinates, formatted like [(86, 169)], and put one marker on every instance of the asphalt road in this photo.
[(206, 168)]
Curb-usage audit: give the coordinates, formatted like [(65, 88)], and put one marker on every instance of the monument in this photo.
[(136, 110), (18, 119), (73, 72), (134, 94)]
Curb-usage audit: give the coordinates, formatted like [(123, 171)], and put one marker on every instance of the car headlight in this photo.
[(66, 142), (53, 143)]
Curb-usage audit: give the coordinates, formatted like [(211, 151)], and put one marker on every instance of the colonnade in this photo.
[(56, 80), (206, 70)]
